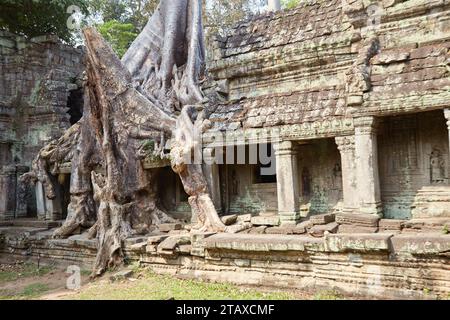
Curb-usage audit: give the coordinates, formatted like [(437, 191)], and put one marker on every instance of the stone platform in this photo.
[(383, 265)]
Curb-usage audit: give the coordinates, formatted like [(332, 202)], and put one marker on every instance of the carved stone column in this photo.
[(346, 146), (211, 171), (287, 181), (447, 116), (367, 175), (7, 192)]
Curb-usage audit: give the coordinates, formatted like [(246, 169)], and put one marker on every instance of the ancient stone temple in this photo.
[(346, 104), (39, 99)]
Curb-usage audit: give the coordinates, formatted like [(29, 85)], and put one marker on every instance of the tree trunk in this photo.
[(127, 103)]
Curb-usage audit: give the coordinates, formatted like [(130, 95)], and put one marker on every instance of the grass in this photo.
[(151, 286), (34, 290), (328, 295), (31, 291), (24, 271)]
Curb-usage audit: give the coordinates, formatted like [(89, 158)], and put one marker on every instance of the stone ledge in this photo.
[(357, 242), (421, 244), (262, 243)]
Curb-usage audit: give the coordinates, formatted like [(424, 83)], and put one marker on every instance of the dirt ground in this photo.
[(20, 281)]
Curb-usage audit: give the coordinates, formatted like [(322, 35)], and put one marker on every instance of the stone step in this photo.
[(37, 224)]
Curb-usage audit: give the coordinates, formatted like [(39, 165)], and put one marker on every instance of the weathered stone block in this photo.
[(121, 275), (156, 239), (258, 243), (358, 242), (185, 248), (166, 227), (279, 230), (258, 230), (322, 218), (421, 244), (229, 220), (391, 224), (358, 219), (266, 221), (348, 228), (320, 230), (245, 218), (135, 240)]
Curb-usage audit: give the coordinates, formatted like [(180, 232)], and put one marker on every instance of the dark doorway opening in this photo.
[(75, 103)]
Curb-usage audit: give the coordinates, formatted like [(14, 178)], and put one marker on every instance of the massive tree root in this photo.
[(153, 93)]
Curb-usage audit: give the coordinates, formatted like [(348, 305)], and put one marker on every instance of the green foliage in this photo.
[(23, 271), (32, 18), (119, 35), (34, 290), (135, 12), (328, 295), (290, 4)]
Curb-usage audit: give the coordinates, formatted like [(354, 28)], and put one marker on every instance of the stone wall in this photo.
[(402, 266), (37, 76), (310, 71)]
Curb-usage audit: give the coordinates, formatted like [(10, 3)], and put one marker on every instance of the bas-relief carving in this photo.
[(320, 177), (413, 155), (437, 167)]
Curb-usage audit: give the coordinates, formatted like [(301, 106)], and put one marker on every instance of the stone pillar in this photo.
[(21, 193), (40, 201), (366, 156), (346, 146), (7, 192), (287, 181), (48, 209), (211, 171), (447, 117)]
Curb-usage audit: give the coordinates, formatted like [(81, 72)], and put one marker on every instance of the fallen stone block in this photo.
[(322, 219), (320, 230), (358, 219), (347, 228), (138, 247), (122, 275), (271, 221), (245, 218), (130, 241), (421, 244), (258, 230), (229, 220), (358, 242), (156, 239), (199, 236), (236, 228), (172, 242), (305, 225), (166, 227)]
